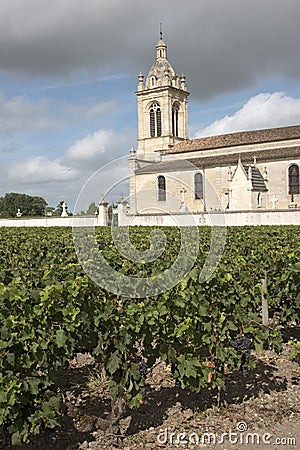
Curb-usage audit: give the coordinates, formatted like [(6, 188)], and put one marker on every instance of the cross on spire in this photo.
[(160, 30)]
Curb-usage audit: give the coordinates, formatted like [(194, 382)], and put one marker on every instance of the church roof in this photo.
[(279, 153), (167, 166), (239, 138), (258, 182), (160, 68), (270, 154)]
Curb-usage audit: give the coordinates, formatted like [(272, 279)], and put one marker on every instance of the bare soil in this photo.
[(265, 400)]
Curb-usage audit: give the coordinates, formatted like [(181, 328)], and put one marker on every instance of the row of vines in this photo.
[(50, 309)]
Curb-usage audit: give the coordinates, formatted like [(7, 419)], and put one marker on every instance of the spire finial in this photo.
[(160, 30)]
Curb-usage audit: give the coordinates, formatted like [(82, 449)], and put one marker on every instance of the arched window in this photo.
[(198, 186), (294, 179), (155, 120), (161, 184), (175, 110)]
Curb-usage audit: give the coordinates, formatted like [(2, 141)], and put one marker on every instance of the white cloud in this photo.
[(110, 180), (91, 145), (89, 160), (19, 113), (40, 170), (88, 110), (100, 108), (99, 147), (261, 111)]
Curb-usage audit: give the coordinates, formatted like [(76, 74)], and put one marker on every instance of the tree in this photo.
[(29, 205), (37, 206), (3, 212), (49, 210), (92, 209)]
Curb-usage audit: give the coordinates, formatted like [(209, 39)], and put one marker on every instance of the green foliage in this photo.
[(50, 309), (92, 209), (295, 353), (29, 205)]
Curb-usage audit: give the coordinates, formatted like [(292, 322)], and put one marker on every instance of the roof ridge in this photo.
[(238, 138)]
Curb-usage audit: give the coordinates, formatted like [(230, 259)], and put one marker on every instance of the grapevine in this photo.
[(50, 310)]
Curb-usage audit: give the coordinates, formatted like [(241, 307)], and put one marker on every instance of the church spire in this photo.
[(162, 105), (161, 49)]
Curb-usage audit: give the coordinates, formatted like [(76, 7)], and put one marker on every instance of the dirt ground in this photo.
[(264, 401)]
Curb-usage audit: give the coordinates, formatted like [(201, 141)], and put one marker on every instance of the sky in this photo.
[(68, 76)]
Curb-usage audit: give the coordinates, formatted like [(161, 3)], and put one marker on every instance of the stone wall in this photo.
[(51, 222), (228, 218), (217, 187)]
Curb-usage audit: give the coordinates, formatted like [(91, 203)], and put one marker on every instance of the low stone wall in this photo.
[(51, 222), (227, 218)]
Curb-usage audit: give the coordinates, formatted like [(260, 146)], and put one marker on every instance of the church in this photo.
[(250, 171)]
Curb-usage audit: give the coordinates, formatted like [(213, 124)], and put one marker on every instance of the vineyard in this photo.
[(50, 310)]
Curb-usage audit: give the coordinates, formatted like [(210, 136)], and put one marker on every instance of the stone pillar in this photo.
[(102, 214), (132, 165), (122, 211)]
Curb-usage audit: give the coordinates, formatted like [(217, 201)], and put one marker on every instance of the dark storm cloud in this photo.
[(221, 45)]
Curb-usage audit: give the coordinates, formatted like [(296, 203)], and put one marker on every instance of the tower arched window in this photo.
[(155, 120), (161, 185), (293, 175), (175, 109), (198, 186)]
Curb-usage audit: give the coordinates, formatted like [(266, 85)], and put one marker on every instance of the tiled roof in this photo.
[(167, 166), (258, 182), (240, 138), (282, 153), (272, 154)]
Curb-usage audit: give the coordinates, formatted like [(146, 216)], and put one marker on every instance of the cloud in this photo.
[(90, 146), (222, 45), (98, 159), (99, 147), (88, 110), (100, 108), (20, 113), (262, 111), (40, 170), (110, 180)]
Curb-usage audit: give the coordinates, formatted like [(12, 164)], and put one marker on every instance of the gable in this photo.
[(258, 182)]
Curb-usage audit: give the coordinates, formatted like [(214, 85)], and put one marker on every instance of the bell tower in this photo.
[(162, 106)]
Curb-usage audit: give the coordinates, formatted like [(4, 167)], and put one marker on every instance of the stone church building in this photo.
[(170, 173)]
